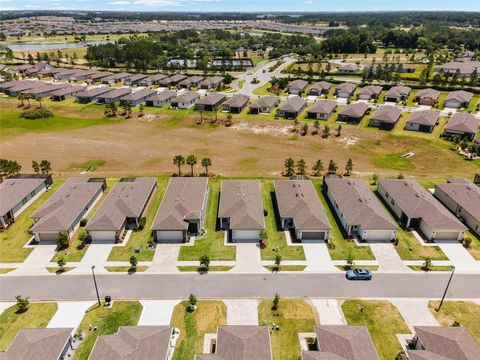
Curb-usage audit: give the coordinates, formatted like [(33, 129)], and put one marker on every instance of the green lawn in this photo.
[(474, 248), (433, 268), (293, 316), (409, 248), (286, 267), (383, 321), (466, 313), (107, 320), (126, 269), (275, 236), (393, 161), (200, 269), (140, 238), (6, 270), (194, 325), (343, 248), (38, 315), (16, 236), (213, 241)]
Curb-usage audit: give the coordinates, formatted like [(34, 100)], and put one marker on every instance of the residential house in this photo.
[(345, 90), (210, 102), (297, 87), (20, 87), (66, 92), (320, 88), (236, 103), (238, 342), (264, 105), (40, 344), (116, 78), (322, 109), (211, 83), (5, 86), (38, 67), (18, 192), (358, 210), (462, 68), (349, 68), (65, 74), (353, 113), (370, 92), (89, 95), (342, 342), (20, 69), (300, 210), (122, 209), (134, 79), (240, 210), (48, 73), (152, 80), (82, 75), (65, 209), (427, 96), (137, 97), (385, 117), (99, 76), (44, 90), (458, 99), (461, 197), (397, 93), (172, 80), (423, 120), (291, 108), (415, 207), (443, 343), (161, 99), (135, 342), (463, 124), (190, 82), (113, 96), (185, 100), (182, 211)]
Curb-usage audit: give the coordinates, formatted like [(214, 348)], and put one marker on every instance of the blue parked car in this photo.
[(359, 274)]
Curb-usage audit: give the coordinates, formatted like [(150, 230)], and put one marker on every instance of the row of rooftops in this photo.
[(244, 342)]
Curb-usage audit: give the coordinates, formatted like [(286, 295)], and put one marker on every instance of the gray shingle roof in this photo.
[(186, 97), (427, 94), (127, 199), (323, 107), (346, 87), (293, 104), (66, 205), (463, 122), (163, 96), (237, 100), (298, 84), (371, 90), (466, 194), (214, 80), (38, 344), (265, 101), (241, 201), (398, 91), (183, 200), (321, 85), (241, 342), (212, 99), (138, 95), (387, 114), (424, 117), (417, 202), (191, 80), (13, 191), (115, 93), (359, 205), (68, 90), (94, 92), (297, 199), (354, 110), (459, 95), (133, 343)]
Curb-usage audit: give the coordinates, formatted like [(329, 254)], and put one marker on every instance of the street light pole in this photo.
[(446, 289), (96, 287)]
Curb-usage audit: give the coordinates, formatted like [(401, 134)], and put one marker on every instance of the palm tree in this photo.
[(317, 168), (349, 167), (36, 167), (39, 99), (192, 161), (21, 98), (206, 162), (179, 160)]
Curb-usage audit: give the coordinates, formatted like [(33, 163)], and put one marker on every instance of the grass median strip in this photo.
[(193, 326), (107, 321)]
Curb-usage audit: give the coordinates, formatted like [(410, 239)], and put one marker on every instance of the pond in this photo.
[(54, 46)]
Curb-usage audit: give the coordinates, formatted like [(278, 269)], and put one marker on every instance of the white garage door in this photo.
[(378, 235), (246, 235), (169, 236), (102, 235), (48, 236), (313, 235), (446, 235)]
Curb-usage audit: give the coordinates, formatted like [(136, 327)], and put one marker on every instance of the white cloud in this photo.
[(119, 2), (158, 2)]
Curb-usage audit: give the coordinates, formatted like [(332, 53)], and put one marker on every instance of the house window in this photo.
[(392, 202), (386, 195)]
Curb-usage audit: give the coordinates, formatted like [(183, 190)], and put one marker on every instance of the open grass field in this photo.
[(13, 239), (38, 315), (293, 316), (383, 321), (107, 320), (466, 313), (194, 325), (253, 146)]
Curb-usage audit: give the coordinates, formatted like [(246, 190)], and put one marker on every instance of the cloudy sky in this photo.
[(241, 5)]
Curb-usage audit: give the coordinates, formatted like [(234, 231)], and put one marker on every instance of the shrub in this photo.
[(133, 261), (82, 236), (39, 113), (141, 223), (62, 241), (83, 222), (467, 242), (22, 303)]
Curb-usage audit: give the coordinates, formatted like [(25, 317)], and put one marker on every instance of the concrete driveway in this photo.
[(415, 312), (242, 312), (329, 311), (157, 312), (69, 314), (318, 258), (459, 256), (248, 259), (388, 258), (165, 259)]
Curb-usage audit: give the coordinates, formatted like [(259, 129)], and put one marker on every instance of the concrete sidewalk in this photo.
[(318, 258), (248, 259), (37, 262)]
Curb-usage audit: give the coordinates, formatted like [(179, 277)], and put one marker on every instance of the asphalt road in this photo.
[(144, 286)]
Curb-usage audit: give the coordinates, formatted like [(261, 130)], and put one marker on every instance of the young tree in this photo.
[(9, 168), (375, 178), (192, 299), (332, 167), (141, 110), (179, 160), (301, 167), (326, 132), (427, 264), (318, 168), (289, 167), (205, 262), (278, 261), (62, 241), (133, 261), (21, 98), (349, 167), (206, 162), (36, 167), (45, 166), (304, 129), (191, 161), (22, 303), (276, 302), (61, 263), (316, 127), (39, 100), (339, 130)]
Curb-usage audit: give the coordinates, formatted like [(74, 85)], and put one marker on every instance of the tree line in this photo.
[(191, 160), (299, 167)]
